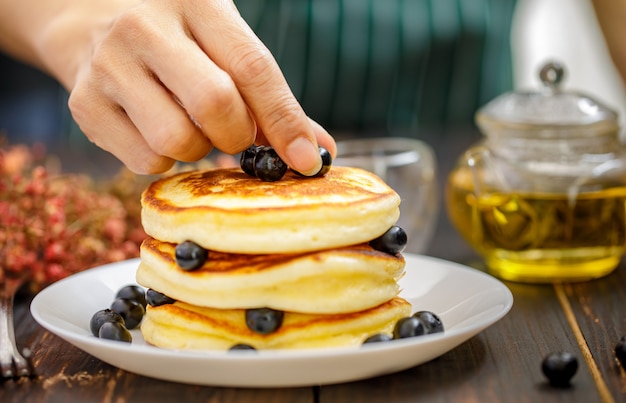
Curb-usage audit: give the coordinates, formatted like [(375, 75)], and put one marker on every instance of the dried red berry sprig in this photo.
[(53, 225)]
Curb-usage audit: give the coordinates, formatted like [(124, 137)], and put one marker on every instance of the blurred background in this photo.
[(566, 30), (368, 68)]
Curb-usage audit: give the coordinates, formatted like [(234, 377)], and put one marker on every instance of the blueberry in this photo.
[(242, 346), (155, 298), (432, 322), (559, 368), (327, 161), (190, 256), (101, 317), (115, 331), (268, 166), (132, 312), (393, 241), (264, 320), (377, 338), (409, 327), (133, 292), (620, 351), (247, 159)]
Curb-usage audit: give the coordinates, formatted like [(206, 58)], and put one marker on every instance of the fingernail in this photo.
[(304, 157)]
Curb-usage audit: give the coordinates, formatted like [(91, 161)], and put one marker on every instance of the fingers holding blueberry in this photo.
[(263, 162)]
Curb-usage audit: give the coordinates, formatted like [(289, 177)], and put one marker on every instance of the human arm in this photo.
[(611, 15), (137, 70)]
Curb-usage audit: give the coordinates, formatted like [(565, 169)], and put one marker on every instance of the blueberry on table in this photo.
[(409, 327), (190, 255), (393, 241), (432, 322), (268, 166), (264, 320), (155, 298), (620, 351), (101, 317), (377, 338), (115, 331), (133, 292), (559, 368), (132, 312)]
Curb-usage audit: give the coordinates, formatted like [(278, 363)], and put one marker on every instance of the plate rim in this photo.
[(277, 357)]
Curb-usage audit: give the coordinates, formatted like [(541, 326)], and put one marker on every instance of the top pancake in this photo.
[(228, 211)]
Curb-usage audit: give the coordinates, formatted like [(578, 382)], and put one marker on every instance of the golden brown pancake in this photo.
[(335, 280), (229, 211), (188, 327)]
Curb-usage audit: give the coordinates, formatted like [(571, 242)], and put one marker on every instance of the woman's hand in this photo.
[(158, 81)]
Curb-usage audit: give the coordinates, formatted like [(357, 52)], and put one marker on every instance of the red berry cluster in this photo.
[(53, 225)]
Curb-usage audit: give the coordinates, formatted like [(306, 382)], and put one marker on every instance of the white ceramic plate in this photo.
[(467, 301)]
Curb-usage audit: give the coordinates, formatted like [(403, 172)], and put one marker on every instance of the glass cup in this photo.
[(409, 167)]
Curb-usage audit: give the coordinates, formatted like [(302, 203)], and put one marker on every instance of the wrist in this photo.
[(65, 44)]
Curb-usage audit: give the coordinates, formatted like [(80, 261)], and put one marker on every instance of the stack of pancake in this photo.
[(298, 245)]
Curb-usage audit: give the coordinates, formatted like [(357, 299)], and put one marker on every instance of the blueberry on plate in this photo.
[(155, 298), (133, 292), (115, 331), (409, 327), (101, 317), (432, 322), (377, 338), (242, 347), (131, 311)]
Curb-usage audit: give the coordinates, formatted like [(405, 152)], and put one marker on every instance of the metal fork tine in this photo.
[(12, 363), (7, 369), (21, 366), (6, 348)]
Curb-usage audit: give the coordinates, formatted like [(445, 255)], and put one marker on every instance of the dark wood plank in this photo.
[(503, 363), (66, 374), (599, 307)]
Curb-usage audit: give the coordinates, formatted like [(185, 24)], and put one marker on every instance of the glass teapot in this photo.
[(542, 197)]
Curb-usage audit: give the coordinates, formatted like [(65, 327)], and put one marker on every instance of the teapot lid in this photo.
[(550, 107)]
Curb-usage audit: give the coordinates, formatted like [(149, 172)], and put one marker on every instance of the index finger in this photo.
[(234, 47)]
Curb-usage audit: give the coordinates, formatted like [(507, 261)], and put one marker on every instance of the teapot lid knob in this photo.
[(552, 74)]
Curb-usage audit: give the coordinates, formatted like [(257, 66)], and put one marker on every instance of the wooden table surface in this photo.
[(500, 364)]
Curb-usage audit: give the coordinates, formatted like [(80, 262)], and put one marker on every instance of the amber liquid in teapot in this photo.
[(540, 237)]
